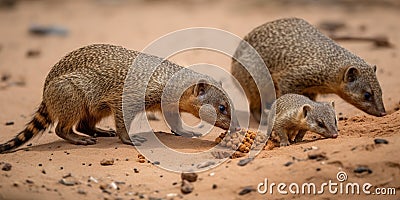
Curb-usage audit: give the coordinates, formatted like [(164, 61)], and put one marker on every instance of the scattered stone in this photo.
[(318, 156), (135, 170), (174, 183), (15, 184), (380, 141), (171, 195), (106, 162), (9, 123), (191, 177), (67, 175), (245, 161), (362, 169), (68, 182), (156, 163), (47, 30), (186, 187), (205, 164), (29, 181), (6, 167), (288, 164), (92, 179), (80, 191), (43, 171), (33, 53), (246, 190), (214, 186), (318, 169)]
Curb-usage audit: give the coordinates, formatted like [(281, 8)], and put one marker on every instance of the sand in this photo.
[(37, 169)]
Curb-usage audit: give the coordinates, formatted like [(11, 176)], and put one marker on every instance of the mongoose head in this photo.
[(320, 118), (206, 92), (361, 88)]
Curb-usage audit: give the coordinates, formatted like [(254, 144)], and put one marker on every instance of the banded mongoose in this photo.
[(87, 85), (302, 60), (297, 114)]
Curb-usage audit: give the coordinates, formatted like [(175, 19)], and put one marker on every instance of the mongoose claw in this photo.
[(284, 144)]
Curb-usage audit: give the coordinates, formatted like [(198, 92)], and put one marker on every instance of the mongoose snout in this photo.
[(296, 114)]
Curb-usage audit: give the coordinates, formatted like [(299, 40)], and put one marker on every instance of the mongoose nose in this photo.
[(383, 114), (334, 135)]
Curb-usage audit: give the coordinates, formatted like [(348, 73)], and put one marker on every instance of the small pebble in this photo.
[(67, 182), (9, 123), (245, 161), (43, 171), (81, 192), (67, 175), (318, 169), (214, 186), (362, 169), (32, 53), (246, 190), (6, 167), (317, 156), (205, 164), (156, 163), (186, 187), (135, 170), (29, 181), (288, 164), (106, 162), (191, 177), (381, 141)]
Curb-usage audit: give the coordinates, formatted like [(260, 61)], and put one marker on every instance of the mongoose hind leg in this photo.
[(67, 133), (283, 136), (88, 126)]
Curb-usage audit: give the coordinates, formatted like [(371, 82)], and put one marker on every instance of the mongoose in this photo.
[(302, 60), (297, 114), (87, 85)]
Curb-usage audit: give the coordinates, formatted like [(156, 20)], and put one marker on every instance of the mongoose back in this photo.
[(87, 85), (297, 114), (302, 60)]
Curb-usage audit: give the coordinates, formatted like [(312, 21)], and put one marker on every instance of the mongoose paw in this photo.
[(185, 133), (296, 140), (83, 140), (104, 133), (284, 144), (134, 140)]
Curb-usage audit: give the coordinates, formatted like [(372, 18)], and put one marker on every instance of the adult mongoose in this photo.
[(87, 85), (302, 60), (296, 114)]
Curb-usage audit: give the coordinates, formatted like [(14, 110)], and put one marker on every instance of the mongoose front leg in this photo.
[(283, 136), (175, 123), (122, 132), (299, 136), (68, 134)]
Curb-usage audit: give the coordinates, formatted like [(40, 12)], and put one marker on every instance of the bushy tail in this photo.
[(40, 122)]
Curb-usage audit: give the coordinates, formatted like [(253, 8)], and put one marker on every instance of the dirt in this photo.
[(48, 167)]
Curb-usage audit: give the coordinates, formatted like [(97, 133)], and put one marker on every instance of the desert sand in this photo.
[(37, 167)]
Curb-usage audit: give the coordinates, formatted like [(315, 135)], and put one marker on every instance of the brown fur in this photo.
[(297, 114), (302, 60), (87, 85)]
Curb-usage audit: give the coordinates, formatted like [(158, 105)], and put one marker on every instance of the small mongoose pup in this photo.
[(296, 114), (302, 60), (87, 85)]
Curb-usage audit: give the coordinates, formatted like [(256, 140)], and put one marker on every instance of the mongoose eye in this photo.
[(222, 109), (321, 125), (368, 96)]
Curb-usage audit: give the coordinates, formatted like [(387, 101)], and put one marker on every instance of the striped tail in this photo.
[(40, 122)]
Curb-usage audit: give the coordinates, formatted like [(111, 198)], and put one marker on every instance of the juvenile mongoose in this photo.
[(297, 114), (87, 85), (302, 60)]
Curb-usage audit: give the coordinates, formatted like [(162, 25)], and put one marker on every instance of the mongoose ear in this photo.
[(351, 74), (305, 110), (200, 88), (374, 68)]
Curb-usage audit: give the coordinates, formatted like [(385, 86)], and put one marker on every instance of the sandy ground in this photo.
[(36, 170)]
